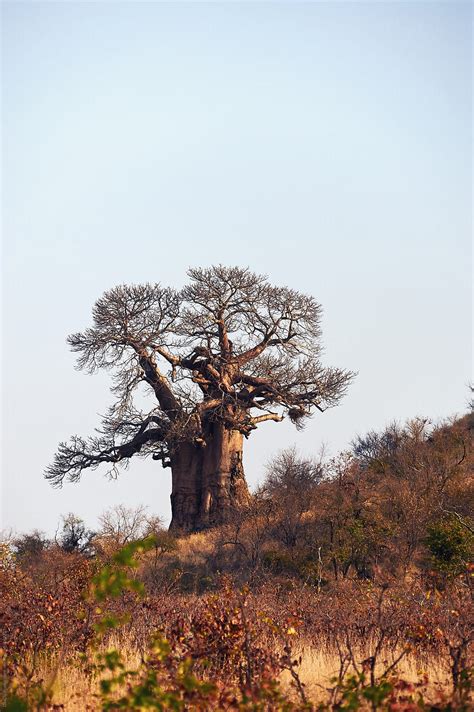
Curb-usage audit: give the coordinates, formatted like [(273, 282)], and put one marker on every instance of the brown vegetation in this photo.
[(343, 585)]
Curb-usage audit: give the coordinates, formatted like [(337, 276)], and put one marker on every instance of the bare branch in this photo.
[(228, 349), (267, 416)]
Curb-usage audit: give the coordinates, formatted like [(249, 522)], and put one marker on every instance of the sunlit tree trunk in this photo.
[(208, 482), (186, 468)]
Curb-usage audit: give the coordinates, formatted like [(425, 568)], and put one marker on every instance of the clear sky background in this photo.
[(327, 145)]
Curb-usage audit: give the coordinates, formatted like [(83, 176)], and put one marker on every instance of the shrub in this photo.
[(451, 546)]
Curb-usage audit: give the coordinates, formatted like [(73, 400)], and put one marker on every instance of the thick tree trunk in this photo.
[(208, 482), (186, 468)]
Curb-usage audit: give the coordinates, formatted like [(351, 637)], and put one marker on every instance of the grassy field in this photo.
[(77, 691)]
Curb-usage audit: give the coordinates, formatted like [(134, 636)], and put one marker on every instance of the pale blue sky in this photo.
[(327, 145)]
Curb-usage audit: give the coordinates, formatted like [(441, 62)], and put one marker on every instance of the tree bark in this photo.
[(186, 468), (208, 483)]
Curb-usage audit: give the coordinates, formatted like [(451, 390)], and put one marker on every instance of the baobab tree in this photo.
[(218, 358)]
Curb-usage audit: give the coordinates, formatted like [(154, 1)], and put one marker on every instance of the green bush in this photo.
[(451, 546)]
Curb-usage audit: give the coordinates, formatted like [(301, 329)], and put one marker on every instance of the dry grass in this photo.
[(72, 688), (79, 692), (318, 667), (76, 690), (195, 548)]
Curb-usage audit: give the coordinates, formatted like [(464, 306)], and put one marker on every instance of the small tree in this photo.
[(451, 546), (75, 538), (223, 355), (29, 547), (291, 481), (124, 524)]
